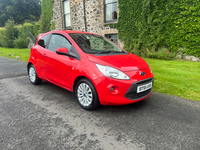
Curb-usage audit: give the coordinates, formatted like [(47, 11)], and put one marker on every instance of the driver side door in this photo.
[(58, 69)]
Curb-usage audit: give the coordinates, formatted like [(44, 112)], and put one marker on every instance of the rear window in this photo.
[(44, 41)]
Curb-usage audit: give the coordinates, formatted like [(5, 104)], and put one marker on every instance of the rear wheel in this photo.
[(86, 95), (33, 77)]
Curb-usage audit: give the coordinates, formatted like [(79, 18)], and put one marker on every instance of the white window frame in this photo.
[(67, 13), (112, 2)]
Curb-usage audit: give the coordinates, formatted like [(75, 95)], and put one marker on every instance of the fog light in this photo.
[(111, 89)]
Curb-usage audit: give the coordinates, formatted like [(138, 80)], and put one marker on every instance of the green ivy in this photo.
[(47, 13), (152, 24), (1, 36), (52, 27)]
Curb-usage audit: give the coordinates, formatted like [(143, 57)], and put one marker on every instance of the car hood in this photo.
[(123, 62)]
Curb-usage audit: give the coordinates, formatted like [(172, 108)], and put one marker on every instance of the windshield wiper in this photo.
[(118, 52), (91, 52), (109, 51), (102, 52)]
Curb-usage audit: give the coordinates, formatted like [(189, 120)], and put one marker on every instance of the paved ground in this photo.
[(47, 117), (11, 68)]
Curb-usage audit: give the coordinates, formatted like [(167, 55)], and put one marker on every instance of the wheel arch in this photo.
[(78, 79), (28, 65)]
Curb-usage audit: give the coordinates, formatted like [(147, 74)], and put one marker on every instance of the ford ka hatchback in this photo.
[(94, 68)]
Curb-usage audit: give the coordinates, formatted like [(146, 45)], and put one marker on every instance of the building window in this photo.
[(110, 10), (67, 17), (112, 37)]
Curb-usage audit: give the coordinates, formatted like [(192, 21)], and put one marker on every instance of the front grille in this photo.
[(132, 92), (144, 81), (134, 95)]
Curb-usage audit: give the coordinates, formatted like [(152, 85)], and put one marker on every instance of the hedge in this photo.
[(150, 24)]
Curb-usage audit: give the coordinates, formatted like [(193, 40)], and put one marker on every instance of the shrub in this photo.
[(36, 29), (192, 51), (161, 53), (1, 36), (21, 42)]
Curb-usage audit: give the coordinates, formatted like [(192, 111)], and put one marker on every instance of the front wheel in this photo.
[(33, 77), (86, 95)]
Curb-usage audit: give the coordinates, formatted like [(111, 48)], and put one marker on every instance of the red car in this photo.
[(95, 69)]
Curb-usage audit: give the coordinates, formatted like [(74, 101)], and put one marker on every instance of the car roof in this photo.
[(65, 31), (73, 31)]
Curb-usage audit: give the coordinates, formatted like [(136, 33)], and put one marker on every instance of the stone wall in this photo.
[(94, 16), (77, 15), (93, 13), (57, 15)]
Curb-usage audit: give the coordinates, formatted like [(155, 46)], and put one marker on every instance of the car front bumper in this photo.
[(122, 92)]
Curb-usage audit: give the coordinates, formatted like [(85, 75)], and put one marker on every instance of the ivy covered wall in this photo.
[(150, 24), (47, 13)]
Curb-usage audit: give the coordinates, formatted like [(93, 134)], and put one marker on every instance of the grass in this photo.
[(179, 78), (13, 52)]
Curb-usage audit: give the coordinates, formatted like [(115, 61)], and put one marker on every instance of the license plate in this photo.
[(144, 87)]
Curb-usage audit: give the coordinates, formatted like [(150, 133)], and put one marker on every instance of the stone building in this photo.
[(94, 16)]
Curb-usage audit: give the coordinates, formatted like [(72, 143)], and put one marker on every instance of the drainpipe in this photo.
[(84, 15), (61, 14)]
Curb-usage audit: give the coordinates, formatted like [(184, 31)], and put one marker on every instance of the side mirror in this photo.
[(62, 51)]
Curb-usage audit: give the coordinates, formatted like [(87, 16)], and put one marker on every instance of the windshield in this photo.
[(95, 44)]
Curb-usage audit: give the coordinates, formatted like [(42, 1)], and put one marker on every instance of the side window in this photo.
[(44, 41), (58, 41)]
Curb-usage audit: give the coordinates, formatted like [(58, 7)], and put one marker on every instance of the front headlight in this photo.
[(112, 72)]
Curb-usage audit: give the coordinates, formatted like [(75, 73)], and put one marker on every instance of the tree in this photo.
[(10, 33), (19, 10)]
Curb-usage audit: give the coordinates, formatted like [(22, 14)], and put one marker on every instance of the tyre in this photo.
[(86, 95), (33, 77)]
